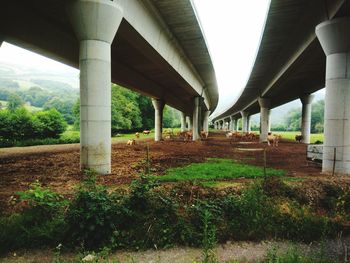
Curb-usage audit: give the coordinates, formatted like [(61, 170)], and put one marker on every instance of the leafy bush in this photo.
[(150, 216), (21, 126), (41, 223), (91, 216)]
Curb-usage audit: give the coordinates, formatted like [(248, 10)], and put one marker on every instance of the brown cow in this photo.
[(273, 139), (137, 135), (204, 134), (131, 142), (298, 138)]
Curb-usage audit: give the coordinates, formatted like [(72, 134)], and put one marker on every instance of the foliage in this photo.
[(63, 107), (40, 223), (21, 125), (215, 169), (296, 255), (91, 216), (14, 102), (171, 117), (148, 216)]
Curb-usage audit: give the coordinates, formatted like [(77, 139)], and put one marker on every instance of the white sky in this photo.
[(232, 29)]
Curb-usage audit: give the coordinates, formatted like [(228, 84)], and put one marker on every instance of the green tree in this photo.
[(63, 107), (293, 120), (147, 112), (14, 102), (51, 122), (171, 117), (317, 118)]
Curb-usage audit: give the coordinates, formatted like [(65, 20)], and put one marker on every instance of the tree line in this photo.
[(130, 112)]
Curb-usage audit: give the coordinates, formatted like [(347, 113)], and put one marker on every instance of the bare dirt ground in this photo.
[(242, 252), (57, 166)]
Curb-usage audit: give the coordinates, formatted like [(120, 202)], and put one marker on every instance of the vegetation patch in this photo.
[(217, 169), (153, 216)]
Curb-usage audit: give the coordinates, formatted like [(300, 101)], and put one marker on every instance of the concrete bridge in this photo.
[(305, 47), (155, 47)]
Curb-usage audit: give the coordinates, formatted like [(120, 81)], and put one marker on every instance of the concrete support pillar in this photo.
[(206, 121), (264, 118), (233, 124), (269, 125), (183, 122), (95, 23), (195, 118), (158, 105), (306, 101), (189, 122), (245, 124), (334, 36), (249, 123)]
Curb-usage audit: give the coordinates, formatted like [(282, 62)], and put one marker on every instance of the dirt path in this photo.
[(57, 166), (229, 252)]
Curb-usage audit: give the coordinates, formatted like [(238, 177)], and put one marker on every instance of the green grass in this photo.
[(291, 136), (216, 169)]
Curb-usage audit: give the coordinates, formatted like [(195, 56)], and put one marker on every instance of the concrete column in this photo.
[(264, 118), (158, 105), (249, 123), (95, 23), (334, 36), (195, 118), (206, 121), (269, 122), (183, 122), (306, 100), (231, 123), (234, 125), (189, 122), (244, 121)]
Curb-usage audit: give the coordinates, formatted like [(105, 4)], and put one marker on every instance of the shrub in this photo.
[(91, 216), (41, 223)]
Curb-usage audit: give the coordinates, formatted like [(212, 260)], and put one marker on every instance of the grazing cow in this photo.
[(188, 136), (229, 135), (146, 132), (298, 138), (204, 134), (131, 142), (273, 139), (137, 135)]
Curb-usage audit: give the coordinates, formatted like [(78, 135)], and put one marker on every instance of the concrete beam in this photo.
[(306, 101), (158, 105), (334, 36), (95, 23), (264, 118)]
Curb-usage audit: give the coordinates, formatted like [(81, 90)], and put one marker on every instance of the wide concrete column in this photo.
[(183, 122), (206, 121), (195, 118), (95, 23), (158, 105), (264, 118), (233, 124), (245, 123), (334, 36), (306, 101)]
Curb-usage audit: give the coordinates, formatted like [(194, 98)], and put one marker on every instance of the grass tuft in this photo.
[(217, 169)]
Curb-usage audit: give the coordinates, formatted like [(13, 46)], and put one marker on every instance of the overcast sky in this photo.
[(232, 29)]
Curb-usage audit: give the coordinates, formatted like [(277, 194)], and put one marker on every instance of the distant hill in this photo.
[(20, 77)]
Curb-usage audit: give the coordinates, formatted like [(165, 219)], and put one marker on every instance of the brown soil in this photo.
[(57, 166)]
